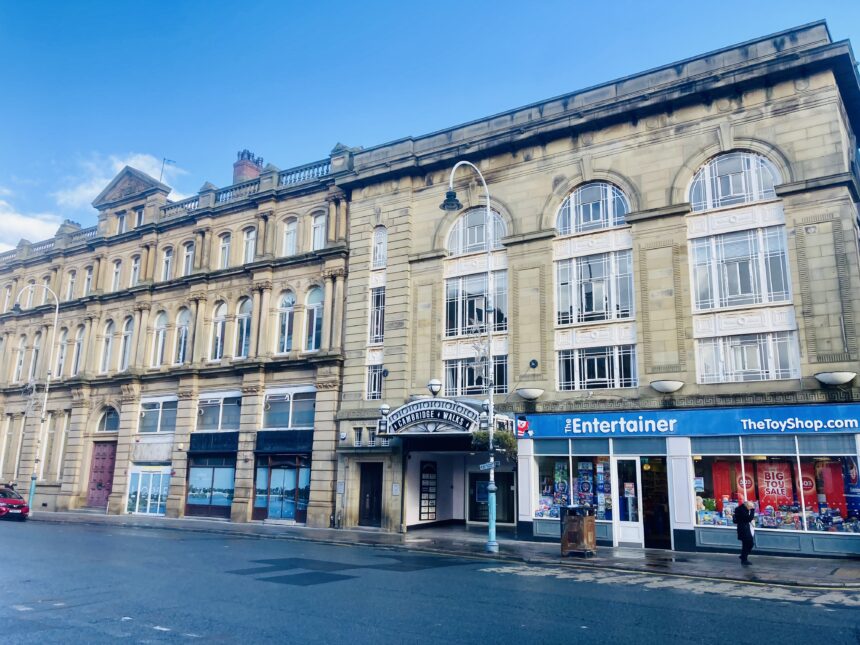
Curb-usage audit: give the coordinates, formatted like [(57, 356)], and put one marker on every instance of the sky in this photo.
[(90, 86)]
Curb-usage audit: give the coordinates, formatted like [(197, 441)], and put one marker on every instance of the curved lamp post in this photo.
[(451, 203), (17, 309)]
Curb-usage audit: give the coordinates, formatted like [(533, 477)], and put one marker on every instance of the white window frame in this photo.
[(77, 350), (121, 223), (243, 329), (376, 334), (187, 258), (18, 372), (159, 340), (181, 337), (70, 284), (167, 264), (61, 352), (7, 298), (609, 210), (468, 235), (125, 343), (754, 182), (134, 278), (217, 398), (318, 232), (723, 353), (226, 241), (249, 245), (138, 217), (459, 368), (160, 401), (380, 248), (107, 347), (314, 312), (219, 329), (614, 380), (116, 280), (570, 285), (286, 394), (291, 229), (286, 323), (34, 355), (373, 383), (46, 284), (88, 280), (476, 302)]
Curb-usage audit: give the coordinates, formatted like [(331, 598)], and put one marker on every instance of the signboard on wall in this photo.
[(797, 419), (433, 415)]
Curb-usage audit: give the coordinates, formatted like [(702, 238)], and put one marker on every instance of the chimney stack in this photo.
[(247, 166)]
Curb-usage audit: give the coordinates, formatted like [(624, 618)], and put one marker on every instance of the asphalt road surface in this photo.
[(71, 583)]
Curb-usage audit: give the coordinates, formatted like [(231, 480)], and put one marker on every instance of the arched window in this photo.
[(318, 232), (286, 315), (167, 264), (125, 343), (19, 359), (88, 280), (243, 328), (34, 359), (76, 351), (109, 421), (46, 284), (31, 289), (249, 243), (61, 352), (117, 275), (107, 347), (183, 328), (592, 207), (187, 258), (219, 322), (290, 231), (314, 316), (70, 285), (159, 339), (7, 297), (224, 250), (134, 278), (733, 178), (469, 233), (380, 247)]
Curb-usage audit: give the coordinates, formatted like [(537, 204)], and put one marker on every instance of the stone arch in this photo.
[(443, 226), (563, 186)]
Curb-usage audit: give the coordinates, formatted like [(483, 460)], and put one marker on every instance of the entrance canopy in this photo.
[(436, 416)]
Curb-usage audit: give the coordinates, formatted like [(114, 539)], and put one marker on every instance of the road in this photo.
[(74, 583)]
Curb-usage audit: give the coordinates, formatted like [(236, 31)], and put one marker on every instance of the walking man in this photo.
[(743, 517)]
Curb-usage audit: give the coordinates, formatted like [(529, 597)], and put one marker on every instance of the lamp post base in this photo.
[(32, 494), (492, 544)]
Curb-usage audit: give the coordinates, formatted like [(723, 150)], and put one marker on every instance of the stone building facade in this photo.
[(692, 228), (198, 349)]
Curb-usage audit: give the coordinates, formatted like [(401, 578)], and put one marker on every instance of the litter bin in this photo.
[(577, 531)]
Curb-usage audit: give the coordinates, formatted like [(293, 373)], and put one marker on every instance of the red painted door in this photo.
[(101, 474)]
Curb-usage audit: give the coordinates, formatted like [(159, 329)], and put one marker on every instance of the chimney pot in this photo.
[(246, 166)]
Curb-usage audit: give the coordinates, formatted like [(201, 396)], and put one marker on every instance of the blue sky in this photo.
[(91, 86)]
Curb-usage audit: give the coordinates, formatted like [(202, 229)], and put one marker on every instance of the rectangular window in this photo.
[(595, 287), (597, 368), (218, 414), (135, 271), (157, 416), (138, 217), (120, 223), (749, 357), (88, 280), (465, 304), (289, 410), (371, 438), (377, 315), (356, 432), (742, 268), (467, 376), (374, 382), (588, 484)]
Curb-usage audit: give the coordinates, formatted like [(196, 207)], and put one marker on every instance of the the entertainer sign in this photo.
[(795, 419)]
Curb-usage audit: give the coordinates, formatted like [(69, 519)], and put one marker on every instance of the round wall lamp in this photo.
[(530, 393), (835, 378), (667, 387), (435, 386)]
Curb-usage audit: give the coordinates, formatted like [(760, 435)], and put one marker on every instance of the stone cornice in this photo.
[(842, 179), (525, 238), (673, 210)]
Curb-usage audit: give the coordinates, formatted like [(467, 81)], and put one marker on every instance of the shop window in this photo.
[(740, 269), (748, 357), (289, 410), (469, 233), (466, 304), (217, 414), (597, 368), (588, 485), (211, 481), (595, 287), (282, 487), (732, 179), (592, 207), (147, 491), (467, 376), (789, 493), (157, 416)]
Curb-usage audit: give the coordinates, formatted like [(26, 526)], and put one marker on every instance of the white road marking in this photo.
[(821, 598), (125, 618), (159, 628), (22, 608)]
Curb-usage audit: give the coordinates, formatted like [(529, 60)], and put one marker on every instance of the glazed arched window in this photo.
[(70, 284), (159, 340), (19, 359), (290, 237), (134, 278), (286, 317), (34, 359), (125, 343), (187, 258), (469, 233), (107, 347), (224, 250), (117, 275), (380, 247), (61, 352), (592, 207), (167, 264), (219, 327), (249, 244), (314, 317), (734, 178), (109, 421), (76, 350), (183, 330), (243, 328), (318, 232)]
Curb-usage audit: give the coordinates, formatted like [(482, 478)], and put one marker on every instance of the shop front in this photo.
[(148, 485), (211, 474), (283, 475), (672, 478)]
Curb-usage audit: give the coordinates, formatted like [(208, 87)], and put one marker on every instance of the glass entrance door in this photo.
[(282, 489), (479, 510), (627, 498), (147, 490)]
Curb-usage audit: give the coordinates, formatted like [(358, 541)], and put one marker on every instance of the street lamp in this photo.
[(17, 309), (451, 203), (435, 386)]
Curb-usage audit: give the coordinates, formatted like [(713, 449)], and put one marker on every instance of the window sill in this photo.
[(729, 308), (574, 234), (721, 209), (593, 323)]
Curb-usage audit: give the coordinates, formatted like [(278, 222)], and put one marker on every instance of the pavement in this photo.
[(796, 572)]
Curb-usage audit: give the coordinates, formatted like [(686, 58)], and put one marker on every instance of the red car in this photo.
[(12, 505)]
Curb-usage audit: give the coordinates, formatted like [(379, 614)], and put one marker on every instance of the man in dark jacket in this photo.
[(743, 517)]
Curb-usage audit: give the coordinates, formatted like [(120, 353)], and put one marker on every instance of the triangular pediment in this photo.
[(129, 183)]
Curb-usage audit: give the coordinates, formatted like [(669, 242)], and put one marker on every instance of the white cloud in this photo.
[(34, 227), (96, 173)]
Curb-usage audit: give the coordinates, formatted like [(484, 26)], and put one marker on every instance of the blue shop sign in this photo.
[(794, 419)]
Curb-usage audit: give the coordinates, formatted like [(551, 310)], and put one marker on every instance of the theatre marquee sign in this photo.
[(432, 415)]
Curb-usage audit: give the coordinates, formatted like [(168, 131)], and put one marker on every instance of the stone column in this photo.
[(198, 333), (89, 353), (95, 286), (262, 233), (342, 218), (324, 458), (143, 339), (129, 414), (268, 243), (144, 264), (55, 283), (255, 319), (203, 251), (325, 343), (139, 333), (331, 224), (337, 309), (300, 326), (186, 421), (73, 489), (263, 343), (151, 257), (253, 392)]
